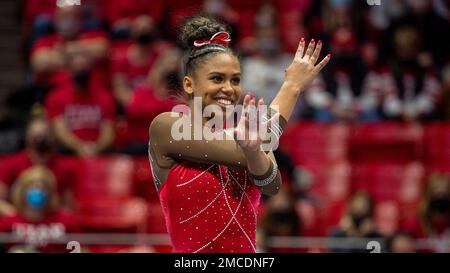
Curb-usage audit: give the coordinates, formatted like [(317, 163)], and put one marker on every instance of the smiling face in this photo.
[(216, 81)]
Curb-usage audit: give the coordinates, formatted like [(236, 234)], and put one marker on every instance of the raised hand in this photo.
[(304, 67), (251, 129)]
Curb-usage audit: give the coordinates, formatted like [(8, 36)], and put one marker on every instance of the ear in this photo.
[(188, 85)]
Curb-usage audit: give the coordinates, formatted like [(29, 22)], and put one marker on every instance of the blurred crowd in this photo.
[(99, 72)]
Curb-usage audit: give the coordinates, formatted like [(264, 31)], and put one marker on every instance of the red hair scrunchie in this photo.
[(221, 38)]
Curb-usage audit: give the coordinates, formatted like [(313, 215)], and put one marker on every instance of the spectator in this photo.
[(422, 17), (401, 242), (435, 214), (446, 90), (82, 112), (122, 13), (11, 122), (357, 222), (280, 219), (39, 151), (411, 91), (263, 72), (39, 218), (349, 90), (151, 99), (132, 64), (48, 55)]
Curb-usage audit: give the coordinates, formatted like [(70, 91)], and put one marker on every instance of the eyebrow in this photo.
[(222, 74)]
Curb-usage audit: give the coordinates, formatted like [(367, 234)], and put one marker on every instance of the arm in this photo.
[(47, 60), (225, 151), (298, 76), (64, 136), (6, 208), (106, 136), (261, 168), (122, 92)]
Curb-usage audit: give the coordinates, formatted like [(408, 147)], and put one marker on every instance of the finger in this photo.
[(238, 137), (310, 49), (252, 110), (262, 109), (260, 112), (322, 64), (316, 53), (246, 99), (300, 49)]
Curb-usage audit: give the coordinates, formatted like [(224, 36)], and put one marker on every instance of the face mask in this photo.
[(339, 3), (440, 205), (358, 219), (145, 38), (36, 198), (42, 144), (269, 46), (81, 79), (67, 27), (214, 6)]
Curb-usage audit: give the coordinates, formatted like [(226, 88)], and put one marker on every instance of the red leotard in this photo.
[(210, 208)]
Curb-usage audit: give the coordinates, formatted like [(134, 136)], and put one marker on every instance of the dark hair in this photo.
[(201, 27)]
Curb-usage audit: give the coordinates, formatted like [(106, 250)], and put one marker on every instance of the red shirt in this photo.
[(12, 166), (83, 113), (143, 108), (130, 9), (135, 74)]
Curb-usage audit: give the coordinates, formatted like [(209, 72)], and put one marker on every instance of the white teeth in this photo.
[(224, 101)]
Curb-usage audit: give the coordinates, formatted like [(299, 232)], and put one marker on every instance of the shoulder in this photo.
[(162, 122)]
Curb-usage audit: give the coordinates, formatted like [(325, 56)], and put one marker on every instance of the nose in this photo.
[(227, 88)]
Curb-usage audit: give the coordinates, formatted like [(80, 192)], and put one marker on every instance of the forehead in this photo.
[(225, 63)]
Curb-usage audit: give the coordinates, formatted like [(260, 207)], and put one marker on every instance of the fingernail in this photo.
[(319, 42), (302, 40), (312, 41), (329, 56)]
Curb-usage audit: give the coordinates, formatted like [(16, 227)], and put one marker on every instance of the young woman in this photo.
[(210, 189)]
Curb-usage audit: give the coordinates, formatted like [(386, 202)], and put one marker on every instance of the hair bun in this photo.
[(200, 28)]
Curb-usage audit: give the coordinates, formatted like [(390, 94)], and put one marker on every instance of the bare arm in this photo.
[(64, 136), (122, 92), (106, 136), (47, 60), (225, 152), (298, 76)]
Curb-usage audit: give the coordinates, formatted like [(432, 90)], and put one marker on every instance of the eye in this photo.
[(236, 81), (216, 79)]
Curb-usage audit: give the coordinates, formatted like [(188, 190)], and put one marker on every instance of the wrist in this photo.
[(291, 87), (253, 155)]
